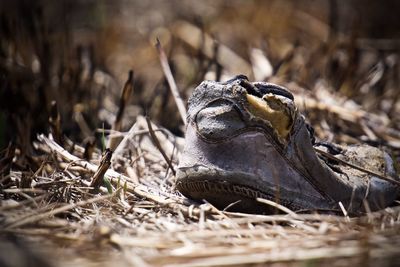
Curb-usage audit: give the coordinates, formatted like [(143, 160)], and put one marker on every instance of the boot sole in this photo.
[(225, 195)]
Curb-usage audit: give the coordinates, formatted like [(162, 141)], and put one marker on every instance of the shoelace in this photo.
[(260, 89)]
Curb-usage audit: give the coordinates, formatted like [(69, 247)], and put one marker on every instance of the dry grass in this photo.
[(64, 203), (144, 222)]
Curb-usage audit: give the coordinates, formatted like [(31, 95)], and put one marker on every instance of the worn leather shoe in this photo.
[(247, 140)]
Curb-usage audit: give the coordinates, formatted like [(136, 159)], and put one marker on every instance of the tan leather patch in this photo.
[(272, 110)]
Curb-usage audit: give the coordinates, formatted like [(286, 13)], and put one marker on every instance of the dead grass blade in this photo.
[(123, 101), (378, 175), (35, 218), (171, 81), (158, 145), (98, 177), (277, 206)]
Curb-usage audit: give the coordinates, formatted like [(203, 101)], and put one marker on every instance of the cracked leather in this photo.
[(226, 144)]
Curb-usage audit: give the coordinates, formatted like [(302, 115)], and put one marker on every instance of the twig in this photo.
[(278, 206), (172, 85), (23, 203), (126, 92), (98, 177), (119, 150), (229, 259), (139, 190), (357, 167), (158, 145), (53, 212), (344, 211)]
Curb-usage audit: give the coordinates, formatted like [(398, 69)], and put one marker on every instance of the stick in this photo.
[(126, 93), (139, 190), (357, 167), (158, 145), (170, 78), (98, 177), (38, 217)]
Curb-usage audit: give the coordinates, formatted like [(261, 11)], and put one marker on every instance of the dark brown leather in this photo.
[(230, 154)]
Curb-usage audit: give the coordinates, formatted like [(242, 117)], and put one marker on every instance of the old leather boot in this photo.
[(247, 140)]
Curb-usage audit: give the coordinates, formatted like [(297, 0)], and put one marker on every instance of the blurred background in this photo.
[(79, 52)]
